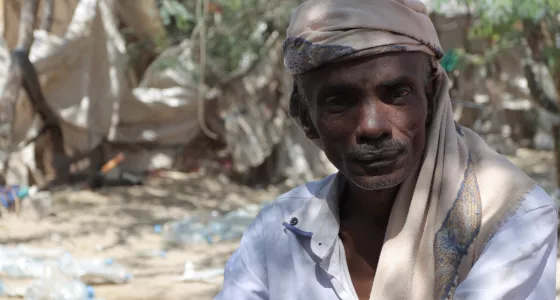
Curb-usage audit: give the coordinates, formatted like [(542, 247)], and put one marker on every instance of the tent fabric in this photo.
[(87, 83), (87, 80)]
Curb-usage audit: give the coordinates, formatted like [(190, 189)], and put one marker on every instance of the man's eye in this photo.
[(401, 92), (336, 104), (335, 101)]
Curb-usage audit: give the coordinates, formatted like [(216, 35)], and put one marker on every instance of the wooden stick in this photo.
[(202, 14), (48, 12)]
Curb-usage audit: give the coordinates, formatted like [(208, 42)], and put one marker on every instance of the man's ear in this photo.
[(306, 123)]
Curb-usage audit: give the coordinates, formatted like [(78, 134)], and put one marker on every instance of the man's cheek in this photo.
[(335, 130), (407, 128)]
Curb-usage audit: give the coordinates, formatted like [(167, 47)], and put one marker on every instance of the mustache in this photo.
[(363, 150)]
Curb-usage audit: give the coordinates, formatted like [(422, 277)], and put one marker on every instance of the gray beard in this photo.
[(380, 184)]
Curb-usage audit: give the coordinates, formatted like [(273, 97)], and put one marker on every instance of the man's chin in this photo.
[(369, 183)]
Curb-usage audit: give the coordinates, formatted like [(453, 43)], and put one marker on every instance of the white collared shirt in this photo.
[(292, 251)]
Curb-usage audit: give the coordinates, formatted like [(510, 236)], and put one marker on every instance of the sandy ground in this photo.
[(119, 222)]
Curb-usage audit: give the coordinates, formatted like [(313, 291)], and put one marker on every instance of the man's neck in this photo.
[(368, 206)]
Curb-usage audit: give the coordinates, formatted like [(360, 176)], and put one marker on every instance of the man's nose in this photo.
[(373, 123)]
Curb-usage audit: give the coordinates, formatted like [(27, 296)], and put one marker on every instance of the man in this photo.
[(421, 208)]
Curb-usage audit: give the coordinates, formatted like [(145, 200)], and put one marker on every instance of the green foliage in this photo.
[(236, 29), (450, 61), (502, 19), (175, 9), (503, 23)]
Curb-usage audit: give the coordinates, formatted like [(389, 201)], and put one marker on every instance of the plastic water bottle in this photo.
[(210, 228), (59, 290), (21, 267), (27, 262), (43, 253), (152, 254), (94, 270), (191, 230), (12, 290), (241, 219), (191, 274), (232, 225), (54, 285), (104, 274)]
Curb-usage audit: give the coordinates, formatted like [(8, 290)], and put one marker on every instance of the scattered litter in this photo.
[(29, 263), (112, 163), (210, 227), (100, 271), (208, 275), (111, 175), (12, 290), (37, 206), (153, 253), (21, 250), (10, 194), (59, 290), (54, 285), (174, 175)]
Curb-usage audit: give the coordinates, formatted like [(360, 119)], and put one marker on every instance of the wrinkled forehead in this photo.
[(373, 69), (326, 31)]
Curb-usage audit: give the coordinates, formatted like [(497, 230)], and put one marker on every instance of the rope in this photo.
[(202, 13)]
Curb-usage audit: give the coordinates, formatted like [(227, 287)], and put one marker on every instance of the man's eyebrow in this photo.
[(329, 88), (399, 80)]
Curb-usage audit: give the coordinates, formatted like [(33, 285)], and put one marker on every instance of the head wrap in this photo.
[(327, 31), (330, 31), (462, 191)]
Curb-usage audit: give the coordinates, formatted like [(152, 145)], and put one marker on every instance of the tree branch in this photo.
[(22, 73), (10, 92), (26, 24), (48, 12), (202, 9)]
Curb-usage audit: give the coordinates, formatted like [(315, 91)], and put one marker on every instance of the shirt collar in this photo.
[(318, 218)]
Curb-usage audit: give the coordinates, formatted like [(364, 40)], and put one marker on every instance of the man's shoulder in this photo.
[(285, 204), (307, 190), (536, 198)]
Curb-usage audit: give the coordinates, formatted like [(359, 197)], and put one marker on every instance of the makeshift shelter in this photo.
[(87, 80)]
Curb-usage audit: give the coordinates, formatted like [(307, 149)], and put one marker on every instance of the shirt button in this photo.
[(294, 221)]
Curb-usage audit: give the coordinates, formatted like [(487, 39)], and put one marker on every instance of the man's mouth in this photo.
[(379, 159)]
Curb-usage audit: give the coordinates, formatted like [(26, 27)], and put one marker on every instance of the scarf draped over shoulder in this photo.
[(463, 191)]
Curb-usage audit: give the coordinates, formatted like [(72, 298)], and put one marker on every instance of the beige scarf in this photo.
[(445, 213)]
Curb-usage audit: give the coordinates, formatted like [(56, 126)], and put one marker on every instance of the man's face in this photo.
[(370, 116)]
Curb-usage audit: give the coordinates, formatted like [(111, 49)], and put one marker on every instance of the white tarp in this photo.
[(92, 92), (86, 79)]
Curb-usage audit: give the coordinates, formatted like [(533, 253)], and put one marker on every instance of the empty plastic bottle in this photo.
[(42, 253), (94, 270), (210, 228), (191, 230), (21, 267), (27, 262), (105, 274), (49, 289), (191, 274), (12, 290), (152, 253), (54, 285)]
